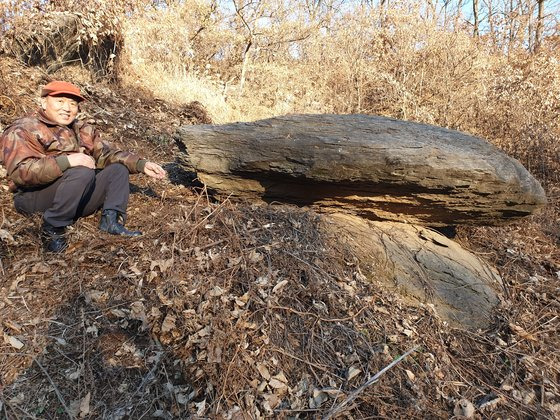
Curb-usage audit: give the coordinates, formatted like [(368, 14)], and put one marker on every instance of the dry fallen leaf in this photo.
[(12, 341), (135, 270), (281, 377), (216, 291), (6, 237), (182, 399), (352, 372), (137, 311), (75, 375), (80, 408), (15, 283), (381, 309), (18, 399), (407, 332), (40, 267), (13, 326), (464, 408), (119, 313), (319, 397), (521, 332), (96, 296), (410, 375), (84, 405), (255, 257), (168, 323), (263, 370), (163, 265), (276, 384), (271, 402), (200, 407), (279, 286)]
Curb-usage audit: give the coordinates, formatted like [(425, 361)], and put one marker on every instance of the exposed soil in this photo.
[(227, 309)]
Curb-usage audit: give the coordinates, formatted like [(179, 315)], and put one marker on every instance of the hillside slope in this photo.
[(231, 310)]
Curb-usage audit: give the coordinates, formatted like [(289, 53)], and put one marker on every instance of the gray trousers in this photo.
[(79, 192)]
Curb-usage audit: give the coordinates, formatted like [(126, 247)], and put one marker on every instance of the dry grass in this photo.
[(398, 65), (160, 53)]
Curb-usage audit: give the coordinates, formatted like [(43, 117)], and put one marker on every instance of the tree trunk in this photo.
[(491, 23), (475, 14), (540, 24), (244, 67)]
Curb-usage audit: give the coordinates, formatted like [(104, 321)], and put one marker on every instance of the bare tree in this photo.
[(269, 26), (540, 24), (249, 12), (475, 15)]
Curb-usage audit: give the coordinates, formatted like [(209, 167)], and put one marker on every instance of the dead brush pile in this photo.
[(17, 97), (55, 39)]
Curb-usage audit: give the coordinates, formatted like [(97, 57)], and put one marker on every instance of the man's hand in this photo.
[(154, 170), (81, 159)]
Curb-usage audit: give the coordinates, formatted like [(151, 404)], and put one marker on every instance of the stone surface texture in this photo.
[(422, 266), (375, 167)]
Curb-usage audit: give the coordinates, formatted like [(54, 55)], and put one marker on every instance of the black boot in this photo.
[(54, 238), (111, 222)]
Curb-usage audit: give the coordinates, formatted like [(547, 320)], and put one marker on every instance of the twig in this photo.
[(5, 410), (27, 415), (11, 408), (3, 219), (298, 410), (312, 266), (324, 369), (57, 392), (218, 242), (218, 208), (348, 318), (193, 208), (226, 377), (369, 382), (151, 374)]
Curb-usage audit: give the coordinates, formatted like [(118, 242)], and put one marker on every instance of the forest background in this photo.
[(490, 68)]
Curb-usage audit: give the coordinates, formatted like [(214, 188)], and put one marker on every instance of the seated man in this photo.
[(60, 167)]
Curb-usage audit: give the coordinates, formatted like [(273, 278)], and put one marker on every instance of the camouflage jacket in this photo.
[(34, 150)]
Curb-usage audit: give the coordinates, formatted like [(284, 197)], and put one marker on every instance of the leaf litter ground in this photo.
[(228, 309)]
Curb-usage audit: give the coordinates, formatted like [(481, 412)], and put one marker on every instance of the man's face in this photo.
[(61, 109)]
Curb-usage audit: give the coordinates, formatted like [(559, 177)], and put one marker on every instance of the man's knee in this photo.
[(117, 170), (115, 175), (86, 175), (22, 204)]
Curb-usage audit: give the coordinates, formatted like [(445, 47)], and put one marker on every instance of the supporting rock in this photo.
[(422, 266)]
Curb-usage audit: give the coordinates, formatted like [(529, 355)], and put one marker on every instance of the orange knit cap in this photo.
[(57, 87)]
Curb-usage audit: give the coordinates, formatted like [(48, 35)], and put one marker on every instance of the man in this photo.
[(60, 167)]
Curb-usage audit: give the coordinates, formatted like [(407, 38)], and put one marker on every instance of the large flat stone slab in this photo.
[(375, 167)]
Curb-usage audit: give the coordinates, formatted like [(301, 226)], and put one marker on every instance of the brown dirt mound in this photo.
[(231, 310)]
